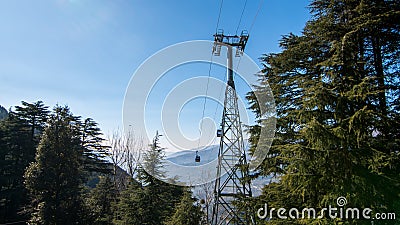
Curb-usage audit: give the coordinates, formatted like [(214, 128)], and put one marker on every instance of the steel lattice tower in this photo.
[(232, 181)]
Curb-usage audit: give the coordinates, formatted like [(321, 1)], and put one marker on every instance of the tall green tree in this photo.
[(133, 206), (336, 88), (186, 212), (20, 132), (34, 115), (15, 154), (95, 152), (149, 200), (54, 180), (100, 202)]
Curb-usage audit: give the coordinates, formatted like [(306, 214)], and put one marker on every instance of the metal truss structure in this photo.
[(232, 181)]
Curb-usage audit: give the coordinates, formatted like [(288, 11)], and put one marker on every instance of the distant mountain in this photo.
[(3, 113), (208, 155), (186, 158)]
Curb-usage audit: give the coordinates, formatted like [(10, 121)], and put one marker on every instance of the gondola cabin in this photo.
[(219, 133), (197, 159)]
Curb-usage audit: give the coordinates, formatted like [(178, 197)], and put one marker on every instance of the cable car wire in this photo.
[(205, 101), (197, 159), (237, 28), (251, 26), (219, 15), (241, 16), (255, 17)]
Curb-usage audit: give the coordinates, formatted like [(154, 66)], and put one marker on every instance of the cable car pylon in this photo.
[(232, 182)]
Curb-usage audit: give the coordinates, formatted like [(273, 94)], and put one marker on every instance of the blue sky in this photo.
[(83, 52)]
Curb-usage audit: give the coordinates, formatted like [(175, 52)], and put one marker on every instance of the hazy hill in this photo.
[(186, 158), (208, 155)]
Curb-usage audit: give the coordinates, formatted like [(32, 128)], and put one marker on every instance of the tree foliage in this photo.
[(186, 212), (336, 88), (19, 137), (95, 152), (100, 202), (55, 170), (69, 153), (54, 179), (149, 200)]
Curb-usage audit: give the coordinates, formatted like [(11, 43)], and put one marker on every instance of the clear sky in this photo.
[(83, 52)]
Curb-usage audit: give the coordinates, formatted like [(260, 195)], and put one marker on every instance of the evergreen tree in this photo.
[(54, 179), (186, 212), (100, 202), (35, 116), (336, 89), (15, 154), (150, 200), (133, 206), (152, 165), (19, 135), (94, 151)]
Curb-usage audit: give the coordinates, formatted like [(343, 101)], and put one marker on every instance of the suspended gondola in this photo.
[(197, 158)]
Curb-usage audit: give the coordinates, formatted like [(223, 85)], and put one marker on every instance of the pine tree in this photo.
[(95, 153), (163, 196), (35, 115), (133, 206), (149, 200), (186, 212), (336, 91), (152, 166), (19, 135), (100, 202), (54, 180), (15, 154)]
